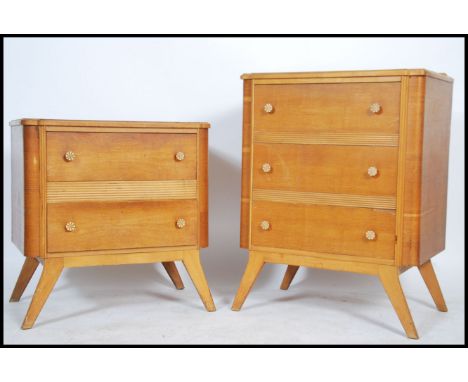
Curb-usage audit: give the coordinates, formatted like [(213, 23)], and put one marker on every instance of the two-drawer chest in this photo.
[(87, 193), (346, 171)]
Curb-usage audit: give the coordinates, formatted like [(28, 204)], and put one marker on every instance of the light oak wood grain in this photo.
[(389, 277), (195, 270), (430, 279), (173, 273), (289, 276), (126, 124), (349, 74), (328, 107), (246, 165), (326, 138), (340, 265), (323, 255), (27, 271), (253, 269), (50, 274), (202, 179), (99, 156), (325, 80), (123, 251), (61, 192), (120, 196), (328, 229), (18, 192), (423, 222), (326, 169), (25, 192), (115, 225), (344, 200), (87, 260), (307, 197)]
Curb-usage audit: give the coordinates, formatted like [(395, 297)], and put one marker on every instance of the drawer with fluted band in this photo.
[(363, 232), (91, 156), (99, 225), (372, 108), (365, 170)]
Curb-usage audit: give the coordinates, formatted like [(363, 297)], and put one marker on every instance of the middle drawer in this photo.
[(363, 170), (76, 156)]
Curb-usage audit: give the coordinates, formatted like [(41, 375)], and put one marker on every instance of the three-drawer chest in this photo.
[(87, 193), (346, 171)]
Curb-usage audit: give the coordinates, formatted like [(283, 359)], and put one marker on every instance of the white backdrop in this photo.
[(198, 80)]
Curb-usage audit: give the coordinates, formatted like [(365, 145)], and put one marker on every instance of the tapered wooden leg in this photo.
[(173, 273), (50, 274), (27, 272), (288, 276), (195, 271), (389, 276), (254, 266), (429, 277)]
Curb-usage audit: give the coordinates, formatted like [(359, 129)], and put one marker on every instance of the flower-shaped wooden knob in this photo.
[(266, 167), (370, 235), (180, 223), (70, 227), (372, 171), (265, 225), (268, 108), (69, 156), (375, 107), (180, 156)]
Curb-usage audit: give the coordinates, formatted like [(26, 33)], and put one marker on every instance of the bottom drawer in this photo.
[(120, 225), (329, 229)]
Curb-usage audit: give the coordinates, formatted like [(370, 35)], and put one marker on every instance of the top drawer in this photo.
[(344, 107), (74, 156)]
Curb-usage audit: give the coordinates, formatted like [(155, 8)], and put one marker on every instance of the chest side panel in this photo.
[(246, 164), (26, 189), (434, 176), (202, 179)]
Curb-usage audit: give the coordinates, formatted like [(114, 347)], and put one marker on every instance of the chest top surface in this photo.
[(99, 123), (349, 73)]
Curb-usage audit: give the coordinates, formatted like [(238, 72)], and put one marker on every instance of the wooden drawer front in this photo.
[(120, 225), (120, 156), (328, 229), (328, 107), (323, 168)]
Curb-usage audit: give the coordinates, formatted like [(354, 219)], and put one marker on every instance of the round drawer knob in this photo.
[(265, 225), (372, 171), (266, 167), (180, 223), (370, 235), (70, 227), (180, 156), (69, 156), (268, 108), (375, 107)]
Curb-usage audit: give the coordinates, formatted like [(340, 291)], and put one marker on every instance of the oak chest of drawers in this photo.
[(346, 171), (88, 193)]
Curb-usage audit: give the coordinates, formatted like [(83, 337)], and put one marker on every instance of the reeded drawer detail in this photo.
[(327, 229), (349, 107), (59, 192), (326, 169), (346, 200), (324, 138), (86, 226), (77, 156)]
